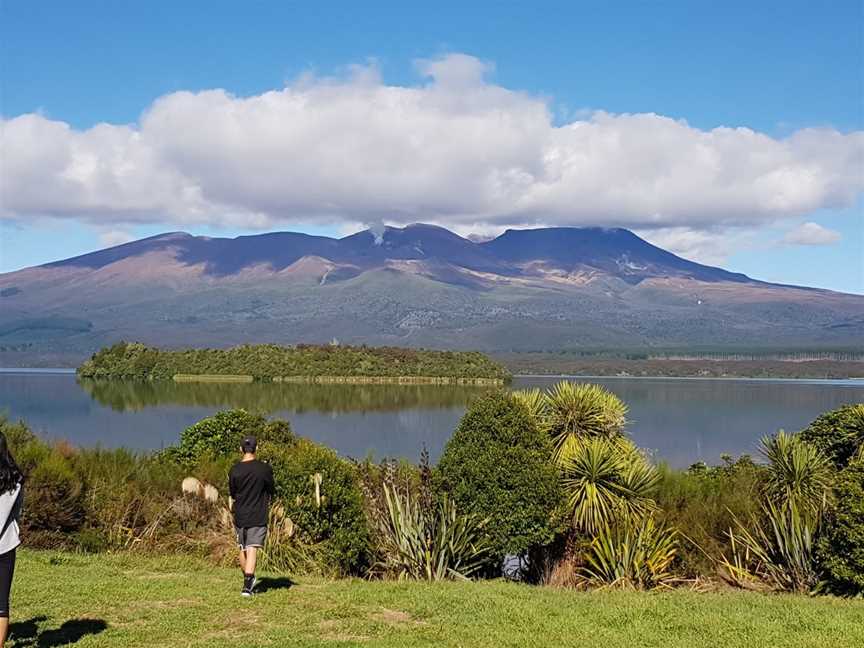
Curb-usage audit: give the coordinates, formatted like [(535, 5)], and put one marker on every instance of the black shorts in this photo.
[(251, 536)]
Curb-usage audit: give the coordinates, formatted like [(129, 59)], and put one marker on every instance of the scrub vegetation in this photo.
[(543, 488)]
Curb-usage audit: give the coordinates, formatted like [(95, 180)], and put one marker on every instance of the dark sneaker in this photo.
[(249, 583)]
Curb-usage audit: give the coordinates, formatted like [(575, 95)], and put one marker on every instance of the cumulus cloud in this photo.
[(811, 234), (456, 149), (702, 246), (110, 238)]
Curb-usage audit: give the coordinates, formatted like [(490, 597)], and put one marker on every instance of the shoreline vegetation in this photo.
[(550, 477), (543, 489), (325, 364), (342, 380), (817, 365), (554, 363)]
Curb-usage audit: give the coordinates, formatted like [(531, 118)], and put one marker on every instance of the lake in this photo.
[(680, 420)]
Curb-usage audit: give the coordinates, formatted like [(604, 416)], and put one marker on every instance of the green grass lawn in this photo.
[(125, 600)]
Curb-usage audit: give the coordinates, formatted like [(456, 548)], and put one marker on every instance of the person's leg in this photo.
[(251, 560), (249, 571), (254, 538), (241, 542), (7, 571)]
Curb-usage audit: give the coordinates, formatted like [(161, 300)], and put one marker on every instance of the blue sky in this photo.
[(776, 68)]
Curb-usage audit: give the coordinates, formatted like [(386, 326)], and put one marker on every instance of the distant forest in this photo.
[(708, 365), (135, 361)]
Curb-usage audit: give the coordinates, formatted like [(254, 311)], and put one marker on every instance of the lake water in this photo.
[(680, 420)]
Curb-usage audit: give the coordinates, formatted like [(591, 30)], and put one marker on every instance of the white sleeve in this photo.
[(8, 502)]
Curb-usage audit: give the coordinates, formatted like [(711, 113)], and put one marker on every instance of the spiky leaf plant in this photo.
[(537, 404), (634, 554), (577, 411), (429, 545), (604, 481), (798, 474), (777, 550)]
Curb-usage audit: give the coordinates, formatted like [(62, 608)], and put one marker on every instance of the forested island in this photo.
[(301, 363)]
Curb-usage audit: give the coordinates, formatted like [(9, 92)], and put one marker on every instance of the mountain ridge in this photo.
[(421, 285), (405, 244)]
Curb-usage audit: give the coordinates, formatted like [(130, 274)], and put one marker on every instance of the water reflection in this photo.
[(273, 397), (680, 421)]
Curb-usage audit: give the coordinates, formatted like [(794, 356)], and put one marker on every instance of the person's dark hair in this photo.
[(10, 473)]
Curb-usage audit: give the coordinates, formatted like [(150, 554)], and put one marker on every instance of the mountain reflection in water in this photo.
[(678, 420)]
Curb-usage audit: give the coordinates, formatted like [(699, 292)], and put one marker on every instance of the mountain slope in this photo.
[(615, 251), (420, 285)]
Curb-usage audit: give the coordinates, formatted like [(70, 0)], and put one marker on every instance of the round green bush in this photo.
[(220, 435), (840, 548), (498, 466), (839, 434), (335, 519)]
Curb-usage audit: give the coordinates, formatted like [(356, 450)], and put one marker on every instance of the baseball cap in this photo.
[(249, 444)]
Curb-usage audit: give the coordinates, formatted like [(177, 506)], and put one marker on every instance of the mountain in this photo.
[(617, 252), (422, 285)]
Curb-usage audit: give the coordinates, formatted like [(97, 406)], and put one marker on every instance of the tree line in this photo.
[(136, 361)]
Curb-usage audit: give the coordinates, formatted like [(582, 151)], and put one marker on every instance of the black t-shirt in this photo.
[(251, 486)]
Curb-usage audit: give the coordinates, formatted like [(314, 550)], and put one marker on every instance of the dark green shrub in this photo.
[(840, 548), (498, 466), (220, 435), (839, 434), (334, 518), (278, 431)]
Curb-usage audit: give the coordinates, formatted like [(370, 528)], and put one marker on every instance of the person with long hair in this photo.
[(11, 494)]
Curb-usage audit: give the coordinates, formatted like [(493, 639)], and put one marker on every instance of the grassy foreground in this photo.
[(126, 600)]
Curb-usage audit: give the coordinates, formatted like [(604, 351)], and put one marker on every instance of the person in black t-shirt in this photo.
[(251, 485)]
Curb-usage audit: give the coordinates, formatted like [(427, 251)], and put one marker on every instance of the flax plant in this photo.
[(777, 553), (431, 545), (635, 554)]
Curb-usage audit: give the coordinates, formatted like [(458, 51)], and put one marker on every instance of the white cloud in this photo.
[(110, 238), (710, 248), (811, 234), (457, 150)]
